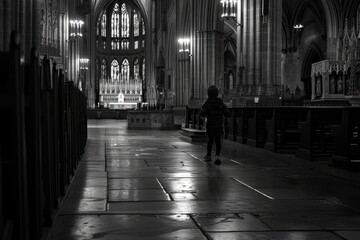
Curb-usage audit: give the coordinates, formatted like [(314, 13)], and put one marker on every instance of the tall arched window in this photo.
[(143, 71), (121, 32), (115, 28), (136, 24), (125, 71), (103, 25), (98, 28), (143, 26), (103, 30), (104, 69), (136, 68), (125, 27), (115, 70)]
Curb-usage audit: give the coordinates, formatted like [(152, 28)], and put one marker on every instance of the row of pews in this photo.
[(43, 135), (312, 133)]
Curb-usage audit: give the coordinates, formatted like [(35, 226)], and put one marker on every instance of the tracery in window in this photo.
[(115, 27), (121, 29), (115, 70), (136, 24), (125, 71)]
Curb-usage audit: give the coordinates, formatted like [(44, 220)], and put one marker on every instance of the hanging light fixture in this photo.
[(75, 28), (229, 10), (184, 45), (84, 63), (298, 27)]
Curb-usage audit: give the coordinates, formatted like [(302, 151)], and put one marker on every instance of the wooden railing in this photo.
[(312, 133), (43, 135)]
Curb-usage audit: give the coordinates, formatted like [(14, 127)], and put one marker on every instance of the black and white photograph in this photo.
[(180, 119)]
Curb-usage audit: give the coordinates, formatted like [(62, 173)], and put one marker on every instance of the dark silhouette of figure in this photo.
[(214, 110)]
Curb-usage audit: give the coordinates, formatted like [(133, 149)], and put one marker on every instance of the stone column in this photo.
[(258, 42)]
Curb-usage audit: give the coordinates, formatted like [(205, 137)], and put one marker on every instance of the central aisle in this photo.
[(152, 185)]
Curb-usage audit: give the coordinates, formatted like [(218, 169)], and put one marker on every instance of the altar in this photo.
[(339, 80), (116, 94)]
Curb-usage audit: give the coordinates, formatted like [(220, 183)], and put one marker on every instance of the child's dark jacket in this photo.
[(214, 110)]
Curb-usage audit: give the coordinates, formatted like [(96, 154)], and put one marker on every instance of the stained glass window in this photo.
[(136, 24), (125, 71), (115, 70), (136, 68), (104, 69), (103, 25), (125, 44), (143, 26), (115, 27), (98, 27), (125, 22), (143, 70)]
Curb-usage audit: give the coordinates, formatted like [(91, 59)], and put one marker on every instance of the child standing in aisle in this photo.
[(214, 110)]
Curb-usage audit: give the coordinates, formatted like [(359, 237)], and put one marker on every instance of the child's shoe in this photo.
[(207, 158), (217, 160)]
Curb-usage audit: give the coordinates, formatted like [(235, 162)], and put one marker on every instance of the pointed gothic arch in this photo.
[(313, 55)]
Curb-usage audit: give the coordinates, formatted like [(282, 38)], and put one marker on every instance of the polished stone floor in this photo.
[(153, 185)]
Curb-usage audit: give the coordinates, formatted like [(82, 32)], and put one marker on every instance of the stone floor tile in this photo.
[(349, 235), (234, 223), (126, 227), (133, 183), (162, 186), (274, 236), (79, 192), (83, 205), (279, 222), (137, 195), (90, 181)]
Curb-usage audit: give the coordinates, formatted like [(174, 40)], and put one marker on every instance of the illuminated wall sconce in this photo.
[(84, 63), (75, 28), (184, 45), (229, 10)]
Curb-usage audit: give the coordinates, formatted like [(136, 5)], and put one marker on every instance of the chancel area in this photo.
[(104, 125)]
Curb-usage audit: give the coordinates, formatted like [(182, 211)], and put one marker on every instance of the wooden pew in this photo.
[(33, 146), (283, 133), (257, 126), (347, 140), (316, 140), (243, 124), (233, 123), (14, 196), (33, 169)]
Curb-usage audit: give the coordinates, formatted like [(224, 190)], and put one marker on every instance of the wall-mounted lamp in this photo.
[(75, 28), (84, 63), (184, 45), (229, 10)]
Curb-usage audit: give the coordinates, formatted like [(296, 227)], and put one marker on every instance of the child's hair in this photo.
[(213, 91)]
